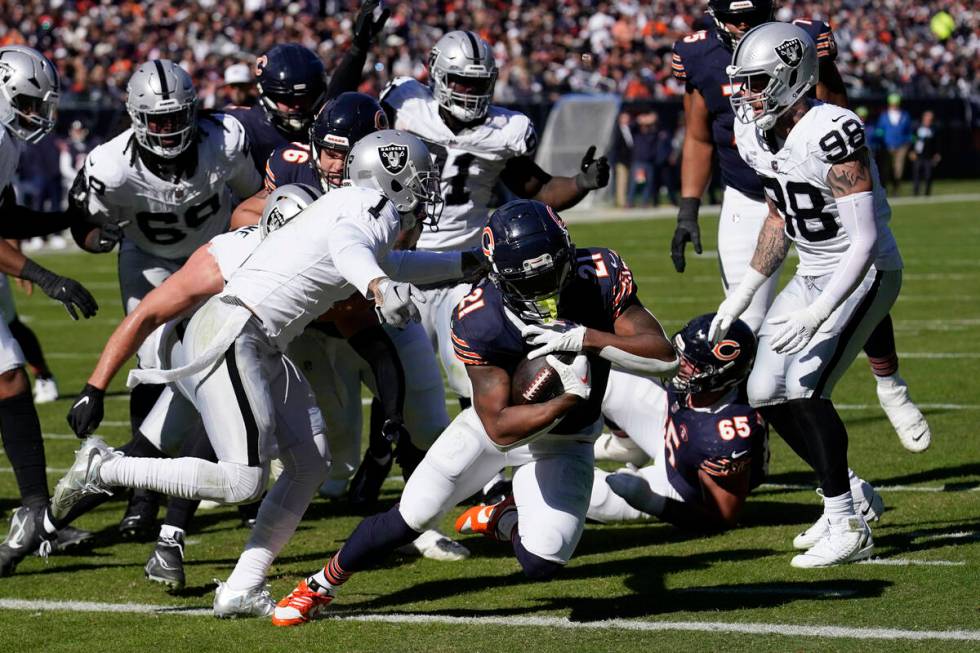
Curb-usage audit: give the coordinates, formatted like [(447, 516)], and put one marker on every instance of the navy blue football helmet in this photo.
[(709, 368), (736, 12), (292, 76), (531, 257), (343, 121)]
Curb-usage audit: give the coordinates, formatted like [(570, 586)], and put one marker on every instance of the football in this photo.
[(535, 381)]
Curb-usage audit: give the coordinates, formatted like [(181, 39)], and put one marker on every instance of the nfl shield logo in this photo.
[(394, 157), (790, 52)]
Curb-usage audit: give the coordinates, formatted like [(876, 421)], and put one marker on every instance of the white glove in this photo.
[(735, 304), (798, 329), (575, 377), (556, 336), (397, 305)]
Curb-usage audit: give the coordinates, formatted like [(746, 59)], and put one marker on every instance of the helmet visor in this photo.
[(753, 95), (35, 117)]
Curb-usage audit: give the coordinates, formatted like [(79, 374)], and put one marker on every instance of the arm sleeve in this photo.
[(374, 346), (857, 215), (423, 267), (349, 73), (21, 222), (353, 248), (677, 68)]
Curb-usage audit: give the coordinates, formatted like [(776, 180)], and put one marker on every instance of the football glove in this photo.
[(393, 431), (397, 306), (575, 378), (554, 337), (366, 26), (595, 172), (67, 291), (87, 411), (687, 231), (796, 330), (109, 234)]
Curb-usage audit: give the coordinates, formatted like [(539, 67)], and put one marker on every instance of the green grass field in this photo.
[(703, 592)]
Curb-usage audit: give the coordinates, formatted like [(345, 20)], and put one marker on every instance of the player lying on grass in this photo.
[(709, 446), (537, 277)]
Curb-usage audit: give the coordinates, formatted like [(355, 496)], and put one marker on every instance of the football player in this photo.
[(537, 274), (710, 447), (699, 61), (29, 89), (162, 188), (332, 367), (824, 195), (254, 402), (292, 86)]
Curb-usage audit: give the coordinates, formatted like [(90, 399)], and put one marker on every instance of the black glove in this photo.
[(687, 231), (366, 28), (87, 412), (110, 233), (394, 430), (475, 265), (595, 172), (65, 290)]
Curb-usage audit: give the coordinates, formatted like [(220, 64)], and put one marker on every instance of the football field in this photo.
[(630, 587)]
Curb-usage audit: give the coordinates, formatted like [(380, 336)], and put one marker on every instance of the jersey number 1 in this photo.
[(458, 193)]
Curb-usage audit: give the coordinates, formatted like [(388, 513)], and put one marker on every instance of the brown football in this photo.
[(535, 381)]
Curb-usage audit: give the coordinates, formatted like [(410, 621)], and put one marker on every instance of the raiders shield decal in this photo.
[(394, 157), (790, 52)]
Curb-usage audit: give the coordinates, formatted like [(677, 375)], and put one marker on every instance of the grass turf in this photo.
[(647, 572)]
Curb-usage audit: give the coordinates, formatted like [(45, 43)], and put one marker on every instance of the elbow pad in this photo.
[(639, 364)]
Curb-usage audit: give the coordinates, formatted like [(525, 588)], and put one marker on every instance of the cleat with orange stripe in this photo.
[(300, 605), (485, 519)]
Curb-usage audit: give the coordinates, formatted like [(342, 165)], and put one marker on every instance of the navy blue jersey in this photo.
[(600, 290), (720, 440), (262, 134), (290, 164), (699, 60)]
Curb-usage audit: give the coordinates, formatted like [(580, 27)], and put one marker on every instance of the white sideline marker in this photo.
[(790, 630)]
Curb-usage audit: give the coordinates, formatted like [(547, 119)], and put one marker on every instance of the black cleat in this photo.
[(70, 538), (140, 520), (23, 539), (166, 563), (366, 484), (497, 492)]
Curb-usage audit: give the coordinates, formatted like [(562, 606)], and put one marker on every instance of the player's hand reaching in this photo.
[(67, 291), (367, 26), (729, 311), (575, 377), (686, 231), (108, 235), (557, 336), (595, 172), (795, 330), (395, 302), (87, 411), (475, 265)]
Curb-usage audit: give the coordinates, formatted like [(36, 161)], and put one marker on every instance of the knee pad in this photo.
[(761, 389), (242, 484)]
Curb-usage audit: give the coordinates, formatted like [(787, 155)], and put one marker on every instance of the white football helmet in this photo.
[(773, 66), (284, 204), (463, 73), (162, 103), (398, 164), (29, 88)]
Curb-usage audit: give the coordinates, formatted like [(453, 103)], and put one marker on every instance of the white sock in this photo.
[(49, 527), (838, 508), (166, 530), (890, 380)]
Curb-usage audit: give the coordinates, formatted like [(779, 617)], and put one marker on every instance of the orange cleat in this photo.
[(299, 606), (485, 519)]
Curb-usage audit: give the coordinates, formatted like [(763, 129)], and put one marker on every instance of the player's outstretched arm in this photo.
[(68, 291), (507, 425), (527, 180), (249, 211), (696, 156)]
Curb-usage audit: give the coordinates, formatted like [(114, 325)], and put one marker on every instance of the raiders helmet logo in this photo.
[(790, 52), (394, 157)]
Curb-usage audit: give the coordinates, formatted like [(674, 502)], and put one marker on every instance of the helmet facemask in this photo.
[(28, 110), (167, 130), (332, 179), (293, 112), (33, 117), (466, 96), (532, 291), (750, 17), (755, 101), (693, 378)]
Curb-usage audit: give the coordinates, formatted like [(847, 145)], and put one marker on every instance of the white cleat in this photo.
[(45, 390), (435, 546), (906, 418), (231, 604), (82, 478), (867, 503), (847, 541), (620, 450)]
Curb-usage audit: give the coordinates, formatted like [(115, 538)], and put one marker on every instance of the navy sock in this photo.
[(535, 567), (373, 539), (21, 433)]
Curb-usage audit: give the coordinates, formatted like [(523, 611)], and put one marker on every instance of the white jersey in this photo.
[(230, 250), (10, 150), (470, 162), (301, 269), (170, 219), (795, 180)]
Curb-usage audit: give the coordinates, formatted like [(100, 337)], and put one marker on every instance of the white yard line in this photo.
[(880, 488), (907, 562), (790, 630)]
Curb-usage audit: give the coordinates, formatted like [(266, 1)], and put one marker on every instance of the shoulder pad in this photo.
[(106, 165), (520, 137), (228, 130), (401, 89)]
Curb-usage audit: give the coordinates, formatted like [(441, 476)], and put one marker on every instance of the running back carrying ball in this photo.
[(535, 381)]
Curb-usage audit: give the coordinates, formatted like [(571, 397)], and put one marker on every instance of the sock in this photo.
[(166, 530), (20, 431), (507, 525), (328, 579), (373, 539), (880, 349), (31, 347), (838, 507)]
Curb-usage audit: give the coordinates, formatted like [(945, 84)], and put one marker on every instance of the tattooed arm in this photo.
[(773, 243), (850, 175)]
